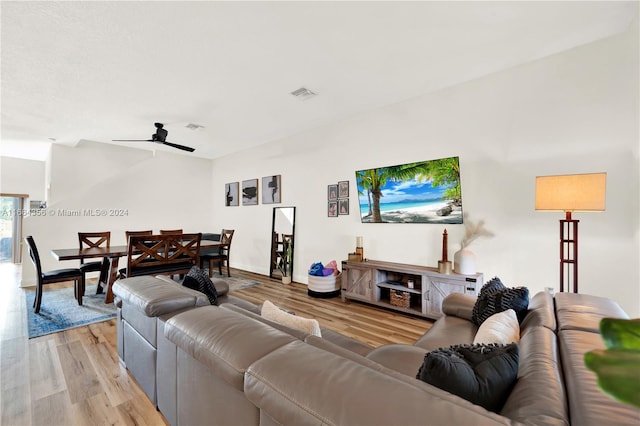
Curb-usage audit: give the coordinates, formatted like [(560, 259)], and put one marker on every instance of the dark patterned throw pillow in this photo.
[(483, 374), (198, 280), (495, 297)]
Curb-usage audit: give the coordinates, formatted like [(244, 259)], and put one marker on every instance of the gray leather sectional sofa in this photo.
[(225, 364)]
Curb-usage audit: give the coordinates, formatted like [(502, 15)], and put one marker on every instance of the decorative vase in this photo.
[(286, 279), (464, 262)]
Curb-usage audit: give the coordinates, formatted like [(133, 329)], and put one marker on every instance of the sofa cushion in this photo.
[(405, 359), (540, 313), (155, 297), (584, 312), (538, 397), (494, 297), (482, 374), (447, 331), (198, 280), (501, 328), (274, 313), (588, 404)]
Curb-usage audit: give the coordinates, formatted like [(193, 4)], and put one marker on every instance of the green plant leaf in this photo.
[(618, 372), (621, 333)]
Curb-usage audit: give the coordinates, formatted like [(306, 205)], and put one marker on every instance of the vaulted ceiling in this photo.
[(99, 71)]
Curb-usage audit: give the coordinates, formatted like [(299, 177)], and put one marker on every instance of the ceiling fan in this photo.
[(160, 136)]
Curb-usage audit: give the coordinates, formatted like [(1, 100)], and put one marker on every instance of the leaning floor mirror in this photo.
[(282, 243)]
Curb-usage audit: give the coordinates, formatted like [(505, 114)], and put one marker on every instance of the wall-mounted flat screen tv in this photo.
[(424, 192)]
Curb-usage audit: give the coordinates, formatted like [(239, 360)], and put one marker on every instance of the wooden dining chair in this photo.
[(136, 233), (222, 256), (91, 240), (55, 276), (171, 232)]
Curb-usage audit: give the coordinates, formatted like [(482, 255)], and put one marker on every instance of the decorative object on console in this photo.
[(482, 374), (273, 313), (360, 247), (250, 192), (569, 193), (271, 189), (231, 194), (423, 192), (495, 297), (444, 264), (464, 260)]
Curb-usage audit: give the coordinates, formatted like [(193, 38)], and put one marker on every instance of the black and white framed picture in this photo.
[(231, 194), (343, 189), (343, 206), (250, 192), (271, 189)]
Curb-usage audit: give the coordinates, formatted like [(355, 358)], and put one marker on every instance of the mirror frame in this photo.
[(272, 265)]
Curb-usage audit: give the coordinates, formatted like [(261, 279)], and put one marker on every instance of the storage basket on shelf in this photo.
[(324, 287), (400, 298)]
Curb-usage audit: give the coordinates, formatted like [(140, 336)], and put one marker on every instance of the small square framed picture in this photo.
[(343, 189), (332, 192), (343, 206), (332, 209)]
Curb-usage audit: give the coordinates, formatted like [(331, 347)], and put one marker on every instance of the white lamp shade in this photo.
[(584, 192)]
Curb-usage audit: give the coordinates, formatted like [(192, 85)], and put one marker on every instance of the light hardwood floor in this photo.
[(74, 377)]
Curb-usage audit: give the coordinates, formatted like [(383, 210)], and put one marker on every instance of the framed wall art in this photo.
[(332, 192), (250, 192), (231, 194), (332, 209), (343, 206), (271, 187), (343, 189)]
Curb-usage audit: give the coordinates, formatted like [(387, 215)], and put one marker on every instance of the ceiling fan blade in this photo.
[(131, 140), (182, 147)]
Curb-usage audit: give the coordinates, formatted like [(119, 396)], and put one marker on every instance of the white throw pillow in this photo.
[(273, 313), (502, 328)]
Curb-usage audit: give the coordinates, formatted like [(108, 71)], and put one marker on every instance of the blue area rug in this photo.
[(60, 311)]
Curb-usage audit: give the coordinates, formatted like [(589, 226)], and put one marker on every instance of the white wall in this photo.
[(18, 176), (574, 112), (161, 191)]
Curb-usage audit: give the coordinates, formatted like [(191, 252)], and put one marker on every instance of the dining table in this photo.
[(112, 254)]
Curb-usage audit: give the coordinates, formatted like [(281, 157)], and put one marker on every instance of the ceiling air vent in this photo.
[(303, 93), (193, 126)]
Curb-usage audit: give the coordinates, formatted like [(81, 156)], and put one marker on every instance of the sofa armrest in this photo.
[(302, 384), (459, 305)]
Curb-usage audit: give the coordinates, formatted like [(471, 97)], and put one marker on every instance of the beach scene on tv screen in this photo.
[(421, 192)]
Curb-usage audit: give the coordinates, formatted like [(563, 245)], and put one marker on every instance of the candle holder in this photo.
[(444, 267), (359, 249)]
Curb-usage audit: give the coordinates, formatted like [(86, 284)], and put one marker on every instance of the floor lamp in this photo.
[(569, 193)]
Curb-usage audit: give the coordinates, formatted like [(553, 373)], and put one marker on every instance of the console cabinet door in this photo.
[(357, 283), (437, 289)]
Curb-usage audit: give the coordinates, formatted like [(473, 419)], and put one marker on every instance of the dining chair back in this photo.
[(92, 240), (136, 233), (222, 256), (55, 276), (171, 232)]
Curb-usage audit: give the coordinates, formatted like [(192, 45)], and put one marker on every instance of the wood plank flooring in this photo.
[(74, 377)]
